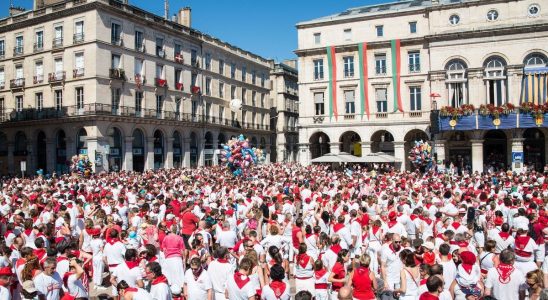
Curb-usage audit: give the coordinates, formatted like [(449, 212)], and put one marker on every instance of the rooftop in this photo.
[(382, 8)]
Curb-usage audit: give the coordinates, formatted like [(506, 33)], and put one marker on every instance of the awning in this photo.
[(379, 157), (342, 157)]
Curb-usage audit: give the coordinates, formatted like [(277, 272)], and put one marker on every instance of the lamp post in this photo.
[(434, 109)]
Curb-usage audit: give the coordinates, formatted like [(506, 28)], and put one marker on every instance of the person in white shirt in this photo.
[(197, 284), (226, 237), (277, 289), (391, 264), (128, 271), (5, 276), (114, 250), (159, 288), (505, 282), (219, 270), (73, 280), (129, 293), (239, 286), (48, 283)]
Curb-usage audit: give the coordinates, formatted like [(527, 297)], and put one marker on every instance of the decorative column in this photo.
[(267, 153), (11, 158), (201, 149), (169, 157), (517, 147), (51, 156), (96, 154), (304, 154), (439, 147), (280, 155), (399, 153), (335, 147), (366, 148), (128, 155), (186, 153), (149, 163), (477, 155)]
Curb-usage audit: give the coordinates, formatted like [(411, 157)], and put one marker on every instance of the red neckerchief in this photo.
[(319, 273), (423, 281), (504, 235), (40, 252), (428, 296), (336, 248), (426, 220), (522, 241), (440, 236), (455, 225), (504, 271), (462, 244), (278, 287), (61, 258), (222, 260), (240, 279), (154, 258), (65, 278), (428, 205), (338, 227), (7, 233), (130, 289), (375, 229), (413, 217), (391, 246), (132, 264), (161, 279), (112, 241), (303, 260), (392, 223), (28, 232)]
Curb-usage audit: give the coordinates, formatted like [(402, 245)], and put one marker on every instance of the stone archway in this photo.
[(61, 165), (350, 142), (159, 149), (495, 149), (177, 150), (138, 146), (410, 138), (319, 144), (41, 152), (534, 148), (382, 141), (116, 153)]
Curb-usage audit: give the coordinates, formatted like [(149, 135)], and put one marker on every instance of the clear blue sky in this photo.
[(266, 28)]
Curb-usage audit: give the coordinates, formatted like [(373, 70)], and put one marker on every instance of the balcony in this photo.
[(415, 114), (159, 82), (179, 86), (38, 79), (57, 43), (79, 72), (78, 38), (179, 58), (116, 73), (17, 83), (195, 90), (38, 47), (17, 51), (117, 41), (57, 77), (382, 115), (349, 116)]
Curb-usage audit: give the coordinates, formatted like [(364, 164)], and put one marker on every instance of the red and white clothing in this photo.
[(321, 284), (49, 286), (503, 240), (159, 289), (505, 282), (240, 287), (219, 271), (114, 251), (304, 273), (525, 247), (128, 271), (139, 294), (197, 287), (276, 290)]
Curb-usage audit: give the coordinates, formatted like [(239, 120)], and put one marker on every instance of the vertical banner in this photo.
[(396, 68), (332, 65), (364, 79)]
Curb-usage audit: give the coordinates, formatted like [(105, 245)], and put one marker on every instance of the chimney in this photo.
[(184, 17)]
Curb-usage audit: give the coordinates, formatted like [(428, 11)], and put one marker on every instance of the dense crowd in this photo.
[(280, 231)]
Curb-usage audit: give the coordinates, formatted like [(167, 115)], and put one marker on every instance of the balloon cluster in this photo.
[(238, 155), (420, 155), (81, 165)]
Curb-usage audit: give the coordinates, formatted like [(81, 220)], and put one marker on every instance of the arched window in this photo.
[(456, 80), (535, 78), (495, 77), (535, 60)]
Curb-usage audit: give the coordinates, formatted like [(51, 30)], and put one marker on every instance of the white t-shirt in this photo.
[(49, 286), (197, 289), (218, 274), (114, 253), (160, 291), (393, 265), (75, 287), (227, 239), (508, 291), (4, 293), (268, 293), (123, 272), (236, 293)]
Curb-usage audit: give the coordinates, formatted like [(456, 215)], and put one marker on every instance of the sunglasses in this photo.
[(396, 242)]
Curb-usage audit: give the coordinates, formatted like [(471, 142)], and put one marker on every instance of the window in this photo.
[(263, 79), (2, 107), (382, 103), (208, 61), (139, 63), (2, 48), (380, 30), (380, 64), (233, 92), (492, 15), (221, 90), (262, 100), (221, 113), (208, 86), (178, 84), (39, 42), (178, 107), (19, 72), (244, 96), (496, 81), (318, 69), (454, 19), (193, 57), (348, 66), (138, 103), (348, 34), (58, 38), (221, 67), (18, 45), (116, 34), (349, 104), (317, 38), (160, 72), (253, 77), (415, 98), (115, 61), (178, 49), (80, 97), (253, 98), (78, 32), (535, 60), (79, 64), (233, 71), (58, 64), (194, 108), (207, 111), (115, 100), (159, 106), (319, 104), (139, 40), (19, 103), (39, 72), (193, 79), (2, 78), (244, 74), (58, 95), (39, 101), (244, 116), (160, 47), (414, 61), (533, 10), (456, 82), (412, 27)]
